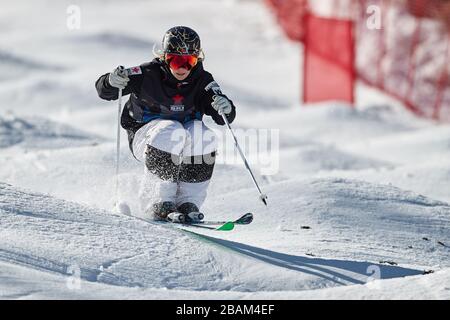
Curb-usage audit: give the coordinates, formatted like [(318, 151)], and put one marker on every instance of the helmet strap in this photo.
[(201, 55)]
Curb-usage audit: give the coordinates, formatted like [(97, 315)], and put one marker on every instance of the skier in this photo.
[(163, 118)]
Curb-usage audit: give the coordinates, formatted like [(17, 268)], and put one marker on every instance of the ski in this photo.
[(221, 225), (212, 225), (227, 226), (245, 219), (204, 224)]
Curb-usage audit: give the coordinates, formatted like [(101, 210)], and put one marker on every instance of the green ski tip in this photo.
[(226, 227)]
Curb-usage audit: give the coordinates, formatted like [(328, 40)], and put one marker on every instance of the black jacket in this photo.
[(157, 94)]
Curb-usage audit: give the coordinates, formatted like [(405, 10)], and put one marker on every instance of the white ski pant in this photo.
[(179, 161)]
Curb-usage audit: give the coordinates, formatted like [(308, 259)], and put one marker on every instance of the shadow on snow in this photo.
[(341, 272)]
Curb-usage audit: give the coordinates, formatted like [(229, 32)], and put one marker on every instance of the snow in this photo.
[(116, 250), (39, 133), (359, 208)]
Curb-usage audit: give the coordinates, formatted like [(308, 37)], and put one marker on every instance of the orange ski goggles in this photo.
[(177, 61)]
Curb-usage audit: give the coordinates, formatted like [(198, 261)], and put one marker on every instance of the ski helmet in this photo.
[(181, 40)]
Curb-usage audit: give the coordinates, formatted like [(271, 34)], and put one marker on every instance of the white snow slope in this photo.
[(359, 208)]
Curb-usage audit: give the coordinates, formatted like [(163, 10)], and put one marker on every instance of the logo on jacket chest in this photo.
[(177, 105)]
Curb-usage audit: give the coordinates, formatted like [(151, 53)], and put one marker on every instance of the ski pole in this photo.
[(118, 145), (262, 196)]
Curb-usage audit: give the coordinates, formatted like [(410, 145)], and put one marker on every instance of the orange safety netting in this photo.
[(328, 60), (408, 57), (290, 15)]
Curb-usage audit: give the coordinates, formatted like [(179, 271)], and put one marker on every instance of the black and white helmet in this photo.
[(181, 40)]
